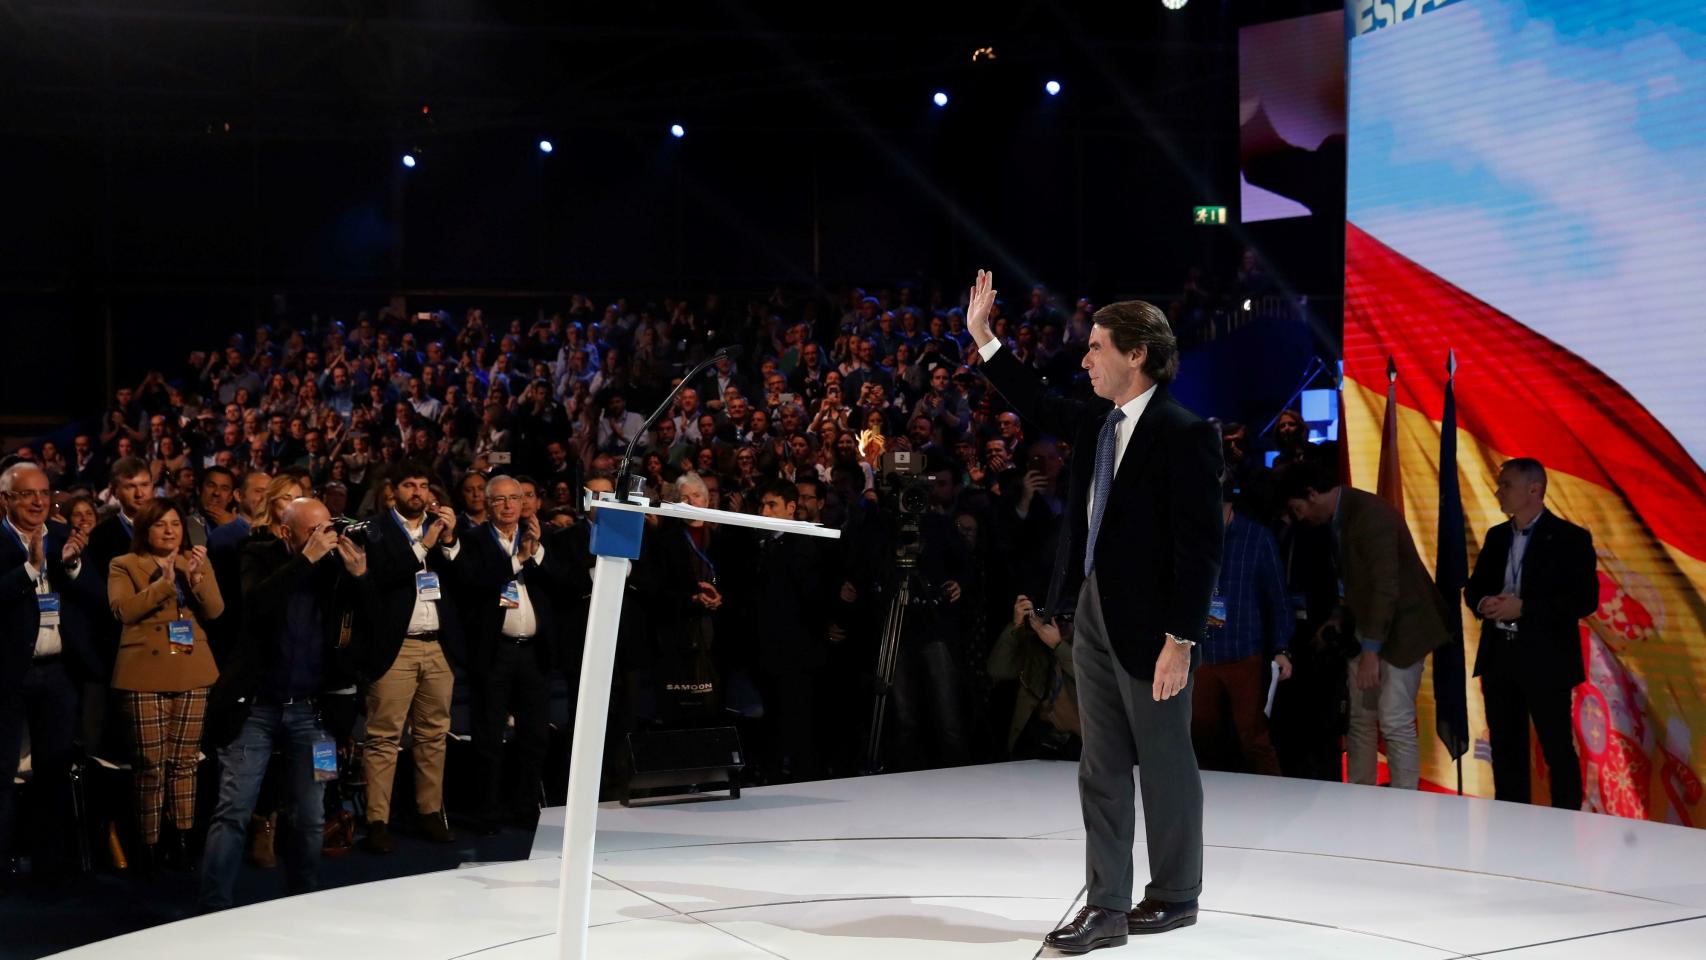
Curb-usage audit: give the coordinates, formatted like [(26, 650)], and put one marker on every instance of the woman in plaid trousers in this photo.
[(162, 593)]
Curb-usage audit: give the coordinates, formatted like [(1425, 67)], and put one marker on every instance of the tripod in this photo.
[(888, 651)]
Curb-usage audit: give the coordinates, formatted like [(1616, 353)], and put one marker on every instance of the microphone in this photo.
[(730, 353)]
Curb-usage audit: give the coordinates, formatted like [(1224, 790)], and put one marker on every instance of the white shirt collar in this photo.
[(1133, 408)]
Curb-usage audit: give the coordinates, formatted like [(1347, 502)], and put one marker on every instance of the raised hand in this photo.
[(529, 538), (353, 556), (978, 307), (320, 542), (74, 545), (197, 565)]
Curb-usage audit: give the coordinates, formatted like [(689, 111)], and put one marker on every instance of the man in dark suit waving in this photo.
[(1533, 583), (1146, 527)]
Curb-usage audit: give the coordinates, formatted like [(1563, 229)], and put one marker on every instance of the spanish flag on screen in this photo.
[(1613, 469)]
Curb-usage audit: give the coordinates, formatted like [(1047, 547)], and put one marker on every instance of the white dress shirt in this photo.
[(520, 620), (424, 617), (48, 642), (1122, 431)]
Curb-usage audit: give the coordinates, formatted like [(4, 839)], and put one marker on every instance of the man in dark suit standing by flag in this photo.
[(1146, 527), (1533, 583)]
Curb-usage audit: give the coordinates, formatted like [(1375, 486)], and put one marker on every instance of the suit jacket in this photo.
[(1389, 594), (20, 619), (107, 542), (391, 569), (145, 601), (1560, 586), (486, 570), (789, 603), (1158, 552), (271, 573)]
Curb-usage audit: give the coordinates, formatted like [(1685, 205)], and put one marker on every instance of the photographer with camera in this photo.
[(412, 551), (1389, 617), (301, 590), (1036, 650)]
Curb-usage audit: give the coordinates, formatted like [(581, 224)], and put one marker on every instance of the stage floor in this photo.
[(982, 861)]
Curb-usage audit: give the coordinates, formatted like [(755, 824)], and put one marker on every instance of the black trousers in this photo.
[(1125, 727), (45, 704), (1511, 702), (512, 684)]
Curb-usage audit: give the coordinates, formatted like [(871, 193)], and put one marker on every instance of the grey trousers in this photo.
[(1124, 727)]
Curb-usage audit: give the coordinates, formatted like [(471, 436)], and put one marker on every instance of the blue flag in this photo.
[(1451, 572)]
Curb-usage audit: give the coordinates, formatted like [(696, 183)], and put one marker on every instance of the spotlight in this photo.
[(1053, 88), (545, 146), (1246, 306), (677, 131), (1174, 4), (409, 160), (940, 99)]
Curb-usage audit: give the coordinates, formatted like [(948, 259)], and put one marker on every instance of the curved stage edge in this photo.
[(982, 861)]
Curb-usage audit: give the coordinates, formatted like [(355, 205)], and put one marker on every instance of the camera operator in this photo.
[(300, 589), (1388, 604), (412, 551), (925, 548)]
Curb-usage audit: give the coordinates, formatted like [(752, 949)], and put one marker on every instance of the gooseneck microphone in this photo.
[(730, 353)]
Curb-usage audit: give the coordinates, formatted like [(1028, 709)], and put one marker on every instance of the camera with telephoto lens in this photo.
[(357, 531)]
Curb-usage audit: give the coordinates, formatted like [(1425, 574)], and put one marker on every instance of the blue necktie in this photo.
[(1105, 443)]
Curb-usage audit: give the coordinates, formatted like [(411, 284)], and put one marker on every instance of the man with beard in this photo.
[(411, 552)]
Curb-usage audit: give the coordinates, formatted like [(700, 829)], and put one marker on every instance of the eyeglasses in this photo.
[(31, 495), (506, 498)]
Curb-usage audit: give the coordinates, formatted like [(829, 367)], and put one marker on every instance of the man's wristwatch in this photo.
[(1181, 641)]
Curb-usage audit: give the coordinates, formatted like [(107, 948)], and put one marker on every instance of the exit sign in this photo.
[(1209, 216)]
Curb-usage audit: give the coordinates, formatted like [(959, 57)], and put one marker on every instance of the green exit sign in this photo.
[(1209, 216)]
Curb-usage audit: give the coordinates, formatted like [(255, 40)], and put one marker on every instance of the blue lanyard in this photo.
[(700, 554), (413, 539), (19, 537)]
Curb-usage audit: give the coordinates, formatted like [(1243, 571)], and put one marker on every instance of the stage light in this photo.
[(677, 131), (409, 160), (1053, 88), (1246, 306), (1174, 4), (940, 99), (545, 146)]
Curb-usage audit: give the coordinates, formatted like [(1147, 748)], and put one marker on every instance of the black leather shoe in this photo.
[(1093, 927), (378, 838), (1159, 916), (435, 826)]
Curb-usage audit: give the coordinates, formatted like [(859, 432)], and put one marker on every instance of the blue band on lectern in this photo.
[(616, 533)]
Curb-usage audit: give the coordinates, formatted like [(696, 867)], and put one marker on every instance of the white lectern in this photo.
[(616, 534)]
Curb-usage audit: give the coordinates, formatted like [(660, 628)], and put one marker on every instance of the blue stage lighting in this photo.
[(545, 146), (1053, 88), (940, 99), (677, 131), (409, 160)]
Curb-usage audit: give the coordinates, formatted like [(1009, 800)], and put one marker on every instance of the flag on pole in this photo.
[(1391, 487), (1451, 572)]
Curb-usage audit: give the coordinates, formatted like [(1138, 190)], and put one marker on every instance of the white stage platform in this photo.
[(982, 861)]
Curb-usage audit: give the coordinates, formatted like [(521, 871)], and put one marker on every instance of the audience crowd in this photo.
[(286, 566)]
